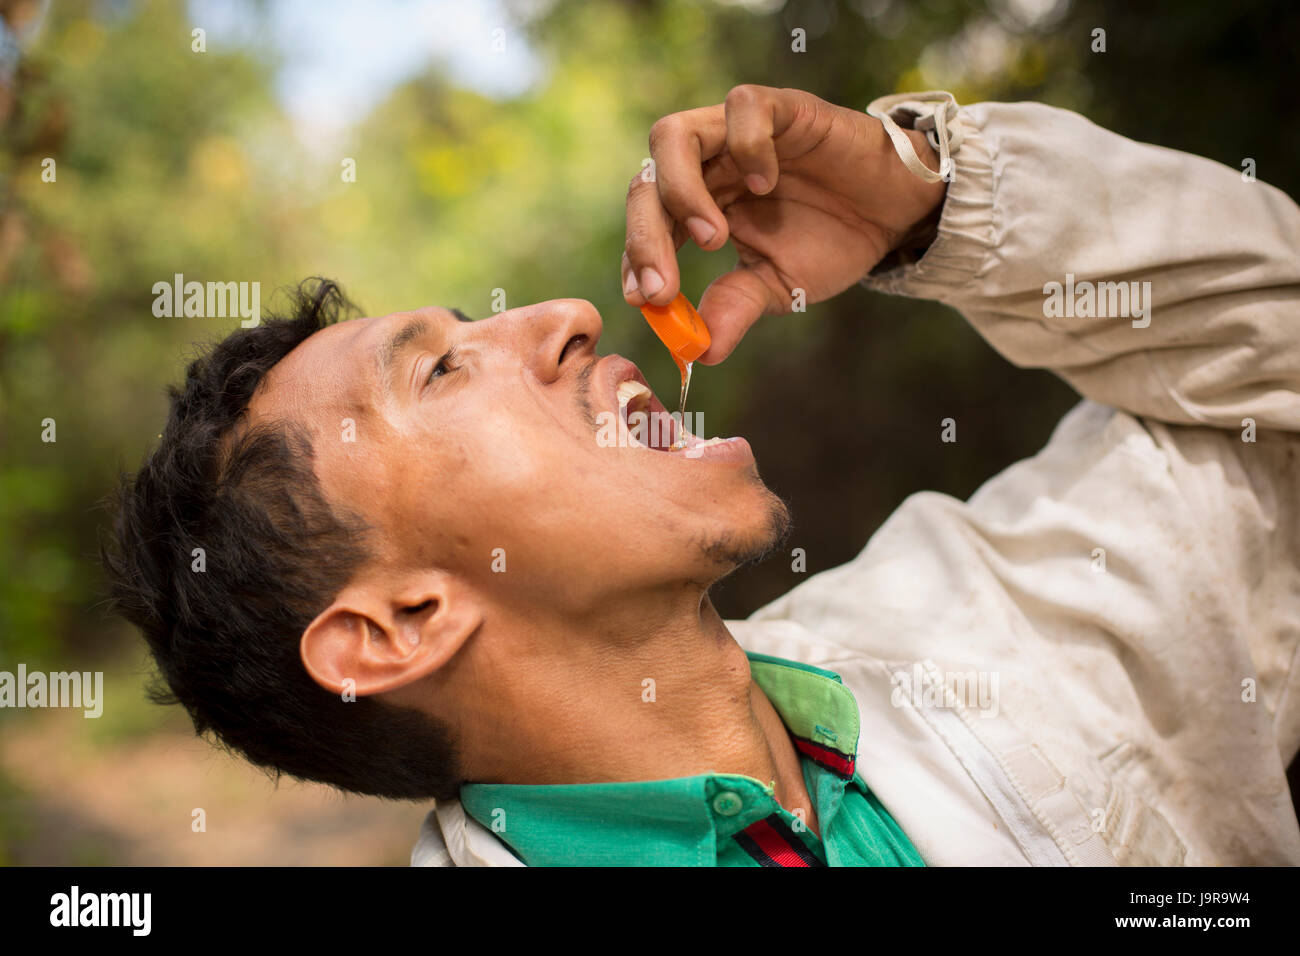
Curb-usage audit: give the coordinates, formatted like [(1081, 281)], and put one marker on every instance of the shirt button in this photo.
[(728, 803)]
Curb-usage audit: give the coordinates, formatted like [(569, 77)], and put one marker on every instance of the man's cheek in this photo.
[(506, 453)]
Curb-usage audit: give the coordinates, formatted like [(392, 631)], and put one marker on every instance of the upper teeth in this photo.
[(629, 390)]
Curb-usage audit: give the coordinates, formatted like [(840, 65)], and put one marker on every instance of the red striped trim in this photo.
[(771, 842), (828, 758)]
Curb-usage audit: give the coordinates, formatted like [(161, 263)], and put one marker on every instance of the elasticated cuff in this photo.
[(965, 236)]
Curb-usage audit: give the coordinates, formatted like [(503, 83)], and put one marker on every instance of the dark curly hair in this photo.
[(226, 638)]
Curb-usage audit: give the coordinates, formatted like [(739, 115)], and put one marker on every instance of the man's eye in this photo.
[(448, 363)]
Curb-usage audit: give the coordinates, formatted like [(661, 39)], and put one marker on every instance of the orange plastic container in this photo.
[(680, 328)]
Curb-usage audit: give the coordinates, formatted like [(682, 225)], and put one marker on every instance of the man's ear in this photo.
[(384, 634)]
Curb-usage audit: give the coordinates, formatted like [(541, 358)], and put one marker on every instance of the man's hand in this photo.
[(812, 196)]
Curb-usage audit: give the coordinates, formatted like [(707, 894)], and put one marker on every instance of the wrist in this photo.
[(920, 202)]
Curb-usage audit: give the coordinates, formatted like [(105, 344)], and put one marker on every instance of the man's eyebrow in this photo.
[(392, 349)]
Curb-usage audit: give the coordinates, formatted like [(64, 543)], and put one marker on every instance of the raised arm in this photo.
[(1152, 280)]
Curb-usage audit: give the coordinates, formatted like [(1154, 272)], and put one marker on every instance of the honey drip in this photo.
[(685, 369)]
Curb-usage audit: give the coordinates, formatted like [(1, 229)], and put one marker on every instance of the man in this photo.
[(427, 577)]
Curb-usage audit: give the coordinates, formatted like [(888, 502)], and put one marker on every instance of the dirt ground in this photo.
[(71, 800)]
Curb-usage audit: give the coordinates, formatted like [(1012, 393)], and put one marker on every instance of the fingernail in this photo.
[(701, 229), (629, 284), (651, 282), (756, 183)]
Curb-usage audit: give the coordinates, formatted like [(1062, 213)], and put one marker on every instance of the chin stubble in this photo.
[(735, 551)]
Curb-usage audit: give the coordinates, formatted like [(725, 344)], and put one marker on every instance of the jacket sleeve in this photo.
[(1199, 318)]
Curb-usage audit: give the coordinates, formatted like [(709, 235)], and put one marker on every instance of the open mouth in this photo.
[(649, 425)]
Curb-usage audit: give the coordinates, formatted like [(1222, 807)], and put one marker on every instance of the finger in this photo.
[(680, 145), (755, 116), (649, 253), (733, 303), (724, 182), (628, 278)]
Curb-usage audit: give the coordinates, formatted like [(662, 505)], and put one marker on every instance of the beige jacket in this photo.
[(1094, 659)]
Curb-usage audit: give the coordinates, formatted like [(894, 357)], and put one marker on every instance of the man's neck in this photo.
[(627, 699)]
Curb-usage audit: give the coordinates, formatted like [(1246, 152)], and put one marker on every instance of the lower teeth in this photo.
[(712, 441)]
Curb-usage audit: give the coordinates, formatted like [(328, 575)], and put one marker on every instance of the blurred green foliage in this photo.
[(172, 162)]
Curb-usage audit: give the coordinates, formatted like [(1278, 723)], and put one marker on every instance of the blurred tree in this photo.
[(172, 161)]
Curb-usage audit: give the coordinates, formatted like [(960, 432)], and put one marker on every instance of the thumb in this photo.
[(729, 306)]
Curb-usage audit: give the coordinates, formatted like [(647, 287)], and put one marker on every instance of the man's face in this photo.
[(494, 462)]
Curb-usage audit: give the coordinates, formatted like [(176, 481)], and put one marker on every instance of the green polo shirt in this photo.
[(716, 819)]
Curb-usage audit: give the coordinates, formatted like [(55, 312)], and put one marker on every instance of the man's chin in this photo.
[(749, 545)]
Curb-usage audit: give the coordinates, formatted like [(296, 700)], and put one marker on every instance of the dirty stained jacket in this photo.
[(1093, 660)]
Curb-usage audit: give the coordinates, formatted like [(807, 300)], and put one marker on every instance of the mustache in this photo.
[(582, 393)]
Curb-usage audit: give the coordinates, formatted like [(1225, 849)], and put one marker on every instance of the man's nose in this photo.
[(552, 334)]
